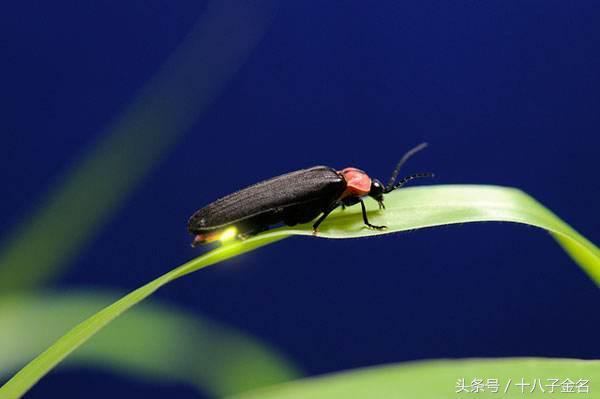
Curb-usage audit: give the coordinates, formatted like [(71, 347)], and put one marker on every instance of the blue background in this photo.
[(506, 92)]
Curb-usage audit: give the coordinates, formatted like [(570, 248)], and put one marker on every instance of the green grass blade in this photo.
[(429, 206), (407, 209), (39, 366), (438, 380), (131, 147), (154, 342)]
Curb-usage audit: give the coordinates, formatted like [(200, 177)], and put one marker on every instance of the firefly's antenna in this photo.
[(392, 182), (405, 180)]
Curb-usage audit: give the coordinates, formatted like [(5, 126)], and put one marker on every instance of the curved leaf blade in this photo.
[(429, 206), (407, 209), (441, 380)]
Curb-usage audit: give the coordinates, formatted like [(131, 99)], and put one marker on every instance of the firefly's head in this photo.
[(377, 190)]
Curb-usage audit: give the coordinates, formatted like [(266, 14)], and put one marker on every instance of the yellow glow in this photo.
[(228, 234)]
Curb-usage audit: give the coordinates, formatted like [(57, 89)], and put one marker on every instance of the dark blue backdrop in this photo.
[(506, 92)]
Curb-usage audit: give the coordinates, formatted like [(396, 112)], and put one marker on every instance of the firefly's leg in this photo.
[(366, 220), (324, 216)]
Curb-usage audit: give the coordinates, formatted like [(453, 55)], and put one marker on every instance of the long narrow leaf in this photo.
[(511, 378), (98, 184), (156, 342), (407, 209)]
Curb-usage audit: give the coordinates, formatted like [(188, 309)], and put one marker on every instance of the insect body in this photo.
[(293, 198)]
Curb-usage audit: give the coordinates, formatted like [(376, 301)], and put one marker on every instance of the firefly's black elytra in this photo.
[(296, 197)]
